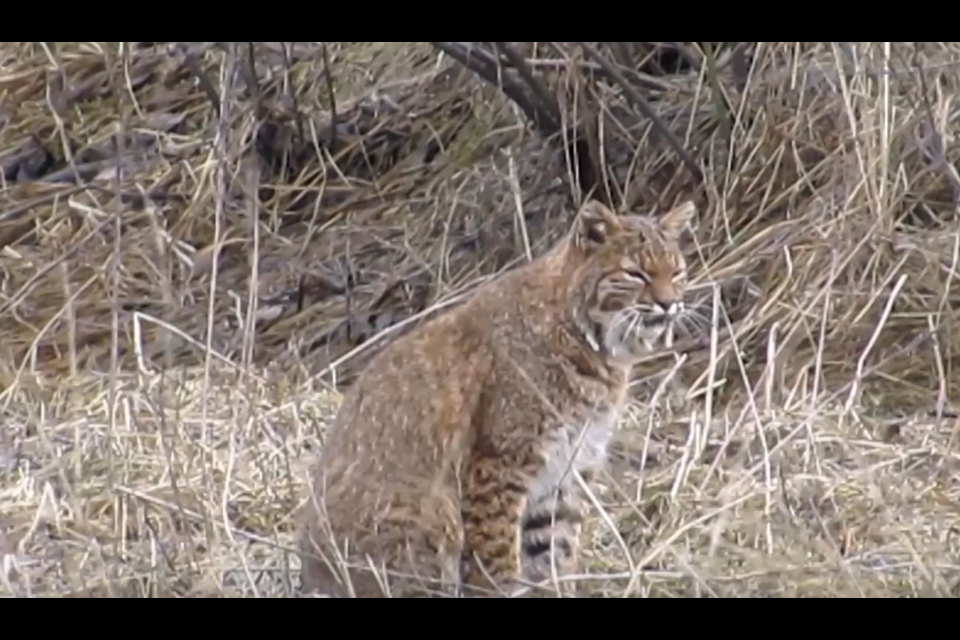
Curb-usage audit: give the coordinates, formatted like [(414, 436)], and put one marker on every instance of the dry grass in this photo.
[(158, 404)]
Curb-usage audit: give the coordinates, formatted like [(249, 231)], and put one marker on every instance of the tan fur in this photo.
[(450, 457)]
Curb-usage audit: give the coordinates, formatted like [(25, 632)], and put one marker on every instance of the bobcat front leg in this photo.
[(494, 497), (550, 541)]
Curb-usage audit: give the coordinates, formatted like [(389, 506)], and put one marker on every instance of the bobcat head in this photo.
[(629, 283)]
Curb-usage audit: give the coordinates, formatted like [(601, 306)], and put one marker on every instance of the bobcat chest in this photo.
[(579, 444)]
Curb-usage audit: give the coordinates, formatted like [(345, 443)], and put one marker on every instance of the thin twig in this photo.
[(116, 258)]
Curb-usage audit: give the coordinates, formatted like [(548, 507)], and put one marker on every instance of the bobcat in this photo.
[(453, 455)]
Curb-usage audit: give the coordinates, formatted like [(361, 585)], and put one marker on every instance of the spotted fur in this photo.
[(454, 454)]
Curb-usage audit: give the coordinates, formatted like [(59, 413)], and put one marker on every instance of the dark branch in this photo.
[(547, 102), (334, 124), (624, 54), (643, 107), (484, 65)]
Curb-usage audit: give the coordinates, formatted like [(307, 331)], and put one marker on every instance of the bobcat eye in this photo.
[(637, 275), (679, 274)]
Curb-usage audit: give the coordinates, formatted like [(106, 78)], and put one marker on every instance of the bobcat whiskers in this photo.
[(637, 330)]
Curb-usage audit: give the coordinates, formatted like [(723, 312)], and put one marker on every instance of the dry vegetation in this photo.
[(195, 249)]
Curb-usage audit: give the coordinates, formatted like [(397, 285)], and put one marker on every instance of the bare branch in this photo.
[(328, 75), (485, 66), (547, 102), (643, 107), (623, 53)]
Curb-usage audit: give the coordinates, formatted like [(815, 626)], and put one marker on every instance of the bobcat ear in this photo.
[(673, 222), (595, 223)]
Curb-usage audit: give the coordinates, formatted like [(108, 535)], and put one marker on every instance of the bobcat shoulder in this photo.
[(452, 456)]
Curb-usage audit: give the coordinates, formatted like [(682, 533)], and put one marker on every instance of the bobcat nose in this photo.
[(670, 309)]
